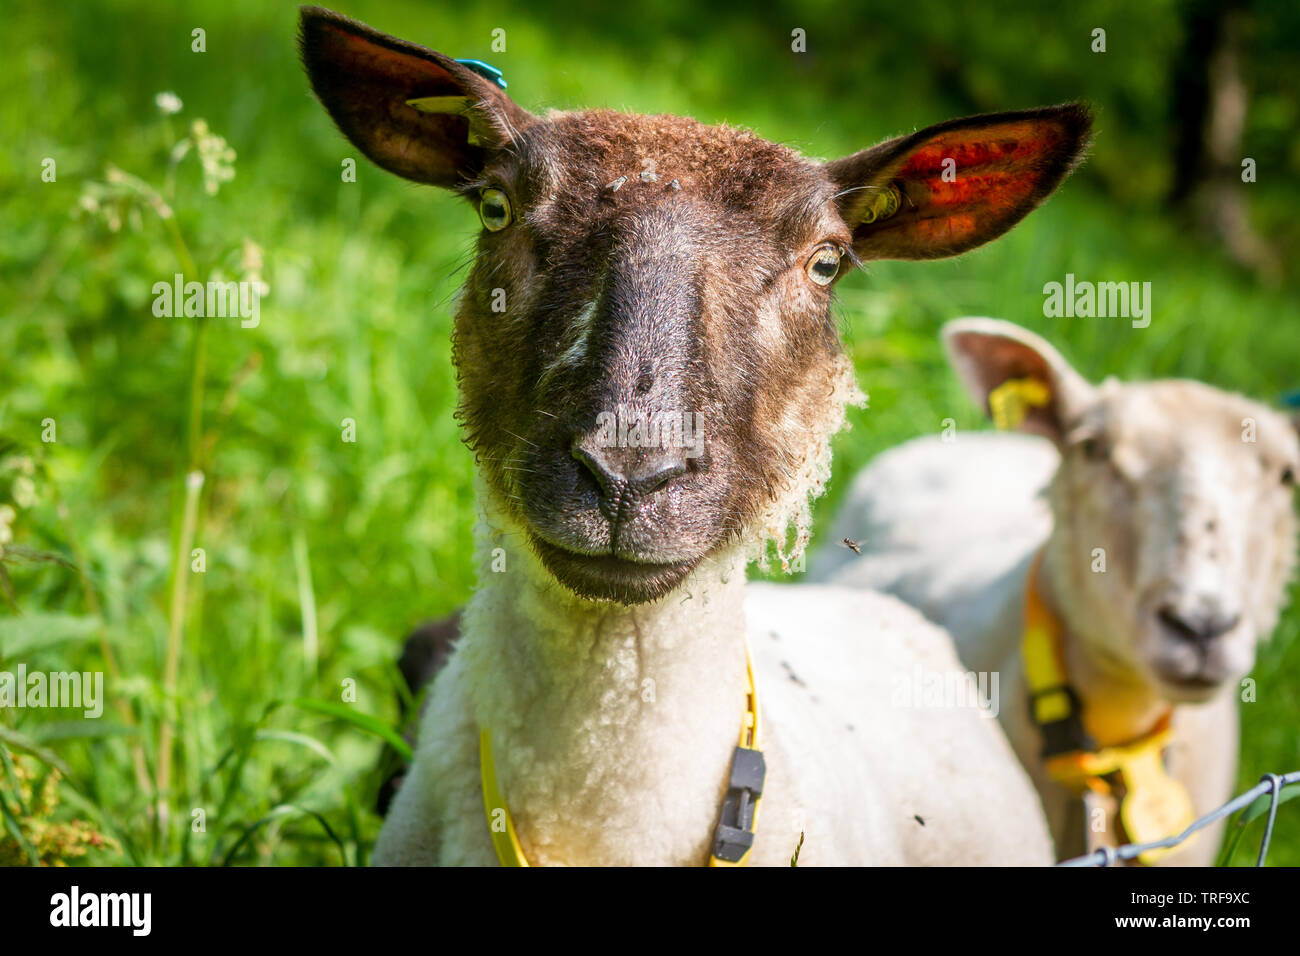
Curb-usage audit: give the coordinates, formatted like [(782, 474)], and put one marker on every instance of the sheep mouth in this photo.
[(1189, 686), (607, 577), (1190, 689)]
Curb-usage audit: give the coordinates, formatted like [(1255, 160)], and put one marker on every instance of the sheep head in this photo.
[(642, 275), (1173, 510)]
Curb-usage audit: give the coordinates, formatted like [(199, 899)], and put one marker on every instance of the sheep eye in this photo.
[(494, 209), (824, 264), (1288, 477), (1094, 449)]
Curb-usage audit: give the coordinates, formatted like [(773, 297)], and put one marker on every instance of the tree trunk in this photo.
[(1210, 103)]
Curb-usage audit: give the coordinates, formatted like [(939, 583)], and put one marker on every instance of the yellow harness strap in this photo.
[(1153, 804), (735, 834), (502, 828)]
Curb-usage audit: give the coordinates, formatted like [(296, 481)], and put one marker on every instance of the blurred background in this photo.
[(229, 735)]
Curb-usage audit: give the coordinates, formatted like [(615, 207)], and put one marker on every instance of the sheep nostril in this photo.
[(1170, 619), (657, 476), (1197, 628), (1217, 625), (610, 483), (625, 476)]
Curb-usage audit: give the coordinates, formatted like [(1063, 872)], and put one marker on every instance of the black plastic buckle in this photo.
[(1067, 734), (735, 833)]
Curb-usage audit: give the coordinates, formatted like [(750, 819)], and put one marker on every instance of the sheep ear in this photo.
[(955, 186), (1019, 380), (368, 80)]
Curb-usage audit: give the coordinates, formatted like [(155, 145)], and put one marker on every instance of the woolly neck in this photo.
[(1118, 704), (605, 719)]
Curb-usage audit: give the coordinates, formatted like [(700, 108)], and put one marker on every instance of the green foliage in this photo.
[(1258, 807), (321, 553), (31, 835)]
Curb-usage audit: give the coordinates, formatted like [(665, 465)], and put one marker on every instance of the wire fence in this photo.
[(1270, 784)]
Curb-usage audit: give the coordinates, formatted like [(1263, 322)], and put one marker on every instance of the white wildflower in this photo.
[(168, 103), (215, 155), (24, 492), (7, 515)]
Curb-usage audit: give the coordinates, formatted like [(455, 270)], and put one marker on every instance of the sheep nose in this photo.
[(626, 476), (1199, 626)]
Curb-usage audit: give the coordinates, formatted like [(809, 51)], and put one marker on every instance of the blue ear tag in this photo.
[(1291, 399), (485, 70)]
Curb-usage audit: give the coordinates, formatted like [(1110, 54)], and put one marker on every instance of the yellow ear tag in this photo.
[(455, 106), (1010, 402), (440, 104), (879, 204), (1155, 805)]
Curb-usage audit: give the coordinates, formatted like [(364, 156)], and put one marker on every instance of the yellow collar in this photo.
[(738, 822), (1154, 805)]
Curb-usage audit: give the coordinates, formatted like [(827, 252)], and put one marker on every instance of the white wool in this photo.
[(951, 528), (790, 510), (613, 729)]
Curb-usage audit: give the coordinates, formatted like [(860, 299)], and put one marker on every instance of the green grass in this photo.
[(320, 554)]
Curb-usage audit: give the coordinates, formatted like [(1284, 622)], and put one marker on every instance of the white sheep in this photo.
[(612, 725), (1163, 512), (594, 704)]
